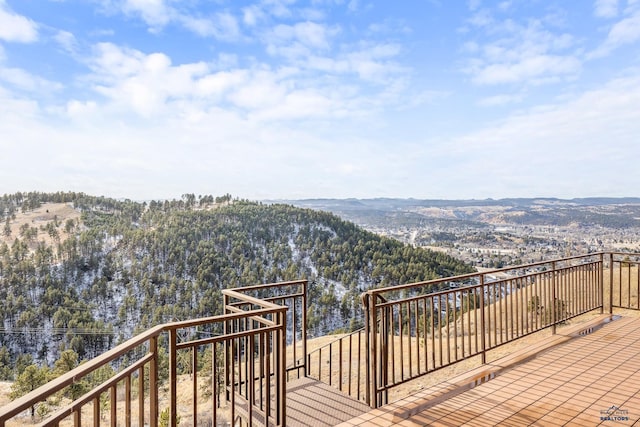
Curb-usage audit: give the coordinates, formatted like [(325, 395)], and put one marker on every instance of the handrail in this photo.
[(255, 372), (291, 293), (462, 277), (243, 289), (412, 334), (87, 397), (349, 353), (267, 316), (57, 384), (408, 334), (625, 271), (345, 358)]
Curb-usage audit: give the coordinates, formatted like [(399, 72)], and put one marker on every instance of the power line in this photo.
[(57, 331), (36, 305)]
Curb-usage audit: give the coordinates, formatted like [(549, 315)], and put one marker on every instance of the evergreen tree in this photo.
[(30, 379)]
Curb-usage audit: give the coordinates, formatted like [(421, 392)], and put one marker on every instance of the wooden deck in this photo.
[(312, 403), (579, 378)]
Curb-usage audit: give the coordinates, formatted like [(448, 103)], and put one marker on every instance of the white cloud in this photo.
[(252, 15), (623, 32), (389, 26), (302, 104), (22, 80), (505, 6), (215, 86), (112, 61), (156, 13), (482, 18), (261, 91), (371, 63), (300, 39), (16, 111), (499, 100), (16, 28), (533, 69), (66, 40), (587, 140), (522, 54), (606, 8), (278, 8), (222, 26), (145, 83), (151, 86), (474, 4)]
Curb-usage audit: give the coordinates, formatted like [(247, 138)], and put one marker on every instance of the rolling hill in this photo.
[(93, 271)]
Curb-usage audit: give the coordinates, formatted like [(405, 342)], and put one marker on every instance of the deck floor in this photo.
[(578, 382), (312, 403)]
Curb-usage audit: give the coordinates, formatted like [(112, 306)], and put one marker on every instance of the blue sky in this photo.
[(324, 98)]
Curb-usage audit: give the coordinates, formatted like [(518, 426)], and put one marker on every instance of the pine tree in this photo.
[(30, 379)]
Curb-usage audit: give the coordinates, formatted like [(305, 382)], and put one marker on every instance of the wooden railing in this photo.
[(411, 334), (342, 363), (625, 280), (261, 340), (292, 295), (236, 362), (133, 379)]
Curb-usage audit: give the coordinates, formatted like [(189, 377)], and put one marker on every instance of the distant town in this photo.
[(497, 233)]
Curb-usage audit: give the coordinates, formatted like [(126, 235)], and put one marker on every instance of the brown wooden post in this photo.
[(141, 396), (96, 411), (173, 380), (554, 316), (304, 326), (372, 345), (482, 321), (611, 283), (282, 349), (194, 384), (153, 382), (228, 355), (127, 401), (113, 404), (601, 284)]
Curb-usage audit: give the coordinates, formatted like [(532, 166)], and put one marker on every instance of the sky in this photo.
[(291, 99)]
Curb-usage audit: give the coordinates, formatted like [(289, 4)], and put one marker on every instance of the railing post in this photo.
[(140, 396), (173, 382), (384, 331), (153, 383), (611, 283), (601, 280), (554, 315), (372, 344), (482, 321), (282, 352), (227, 349), (304, 327), (367, 342)]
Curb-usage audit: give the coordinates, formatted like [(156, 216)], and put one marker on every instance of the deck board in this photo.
[(579, 381), (315, 404)]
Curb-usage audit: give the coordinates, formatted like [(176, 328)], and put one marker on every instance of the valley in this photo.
[(496, 233)]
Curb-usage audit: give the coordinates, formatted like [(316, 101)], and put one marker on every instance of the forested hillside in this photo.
[(106, 269)]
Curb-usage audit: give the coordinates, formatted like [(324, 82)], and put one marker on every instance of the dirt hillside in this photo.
[(58, 214)]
